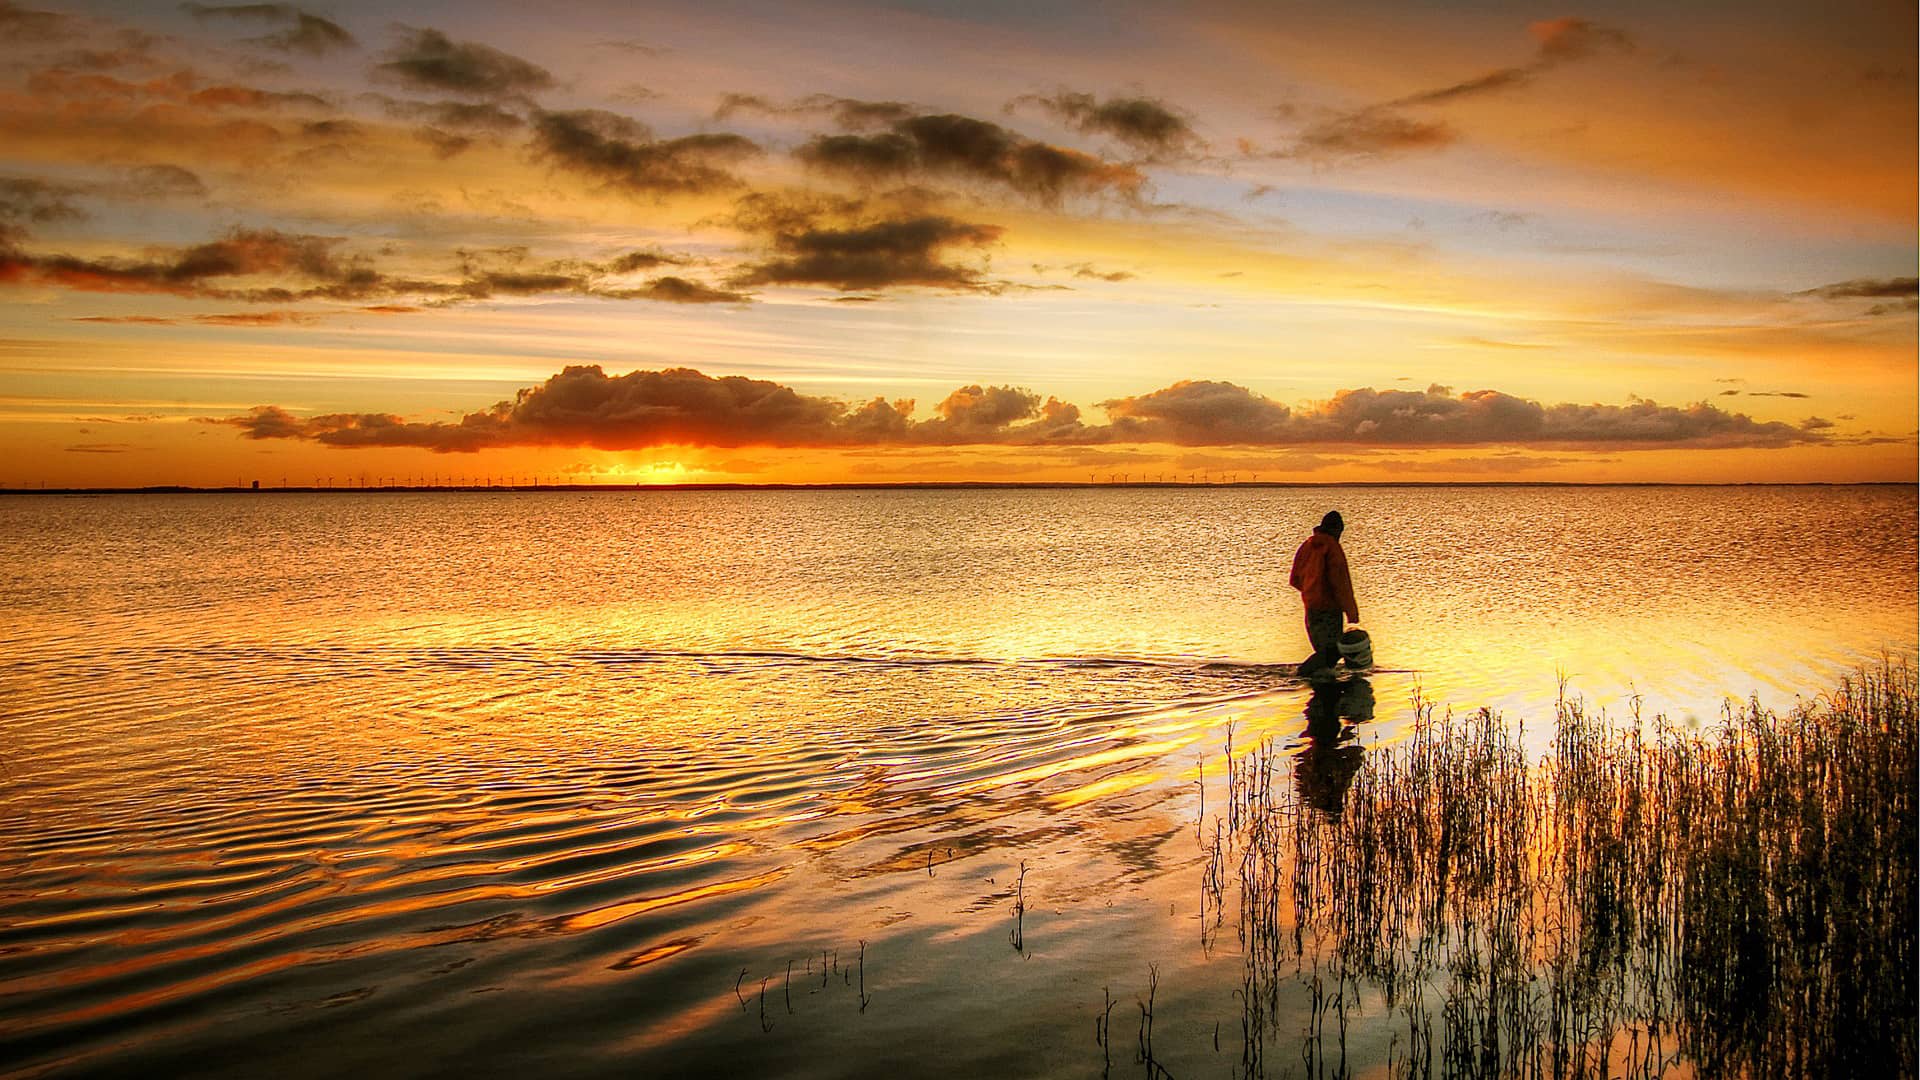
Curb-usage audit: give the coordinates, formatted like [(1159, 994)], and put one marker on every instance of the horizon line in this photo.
[(918, 485)]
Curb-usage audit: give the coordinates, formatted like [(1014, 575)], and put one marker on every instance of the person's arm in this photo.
[(1297, 579), (1342, 582)]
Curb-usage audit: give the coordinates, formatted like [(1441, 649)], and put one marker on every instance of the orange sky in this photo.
[(1396, 242)]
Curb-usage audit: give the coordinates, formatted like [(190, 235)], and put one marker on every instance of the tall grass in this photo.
[(1644, 900)]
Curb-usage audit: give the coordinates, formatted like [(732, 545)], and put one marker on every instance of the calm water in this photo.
[(440, 783)]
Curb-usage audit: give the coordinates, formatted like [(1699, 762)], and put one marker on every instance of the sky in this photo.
[(847, 242)]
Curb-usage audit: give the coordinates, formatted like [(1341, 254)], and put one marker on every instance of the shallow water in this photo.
[(513, 781)]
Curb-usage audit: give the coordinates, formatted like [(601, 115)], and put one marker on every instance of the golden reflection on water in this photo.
[(288, 776), (613, 913)]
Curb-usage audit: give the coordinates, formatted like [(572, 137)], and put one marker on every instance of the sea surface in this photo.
[(801, 783)]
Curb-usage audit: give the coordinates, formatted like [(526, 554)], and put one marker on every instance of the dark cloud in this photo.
[(271, 422), (1149, 126), (732, 103), (1000, 415), (473, 116), (852, 114), (622, 153), (308, 33), (163, 182), (429, 60), (312, 35), (1898, 295), (628, 45), (1777, 393), (634, 94), (860, 115), (643, 260), (1569, 38), (1559, 41), (248, 97), (268, 266), (135, 52), (445, 144), (1503, 79), (1898, 307), (332, 129), (1213, 413), (24, 25), (830, 244), (583, 406), (677, 290), (480, 116), (107, 93), (1200, 413), (257, 318), (1869, 288), (191, 271), (1369, 133), (1086, 270), (1380, 130), (450, 127), (25, 201), (961, 147)]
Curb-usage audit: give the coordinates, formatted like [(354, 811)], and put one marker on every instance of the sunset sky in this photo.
[(776, 242)]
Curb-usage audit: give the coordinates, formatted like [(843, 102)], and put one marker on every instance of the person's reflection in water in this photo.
[(1327, 764)]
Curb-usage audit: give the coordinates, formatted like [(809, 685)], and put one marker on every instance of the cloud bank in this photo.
[(584, 406), (270, 266)]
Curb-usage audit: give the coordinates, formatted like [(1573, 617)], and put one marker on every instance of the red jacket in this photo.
[(1320, 573)]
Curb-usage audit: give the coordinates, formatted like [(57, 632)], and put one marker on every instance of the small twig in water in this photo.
[(1018, 933), (1102, 1025), (865, 998)]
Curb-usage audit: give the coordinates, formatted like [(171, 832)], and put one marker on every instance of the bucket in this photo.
[(1356, 648)]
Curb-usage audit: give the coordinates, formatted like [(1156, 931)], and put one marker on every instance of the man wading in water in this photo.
[(1320, 573)]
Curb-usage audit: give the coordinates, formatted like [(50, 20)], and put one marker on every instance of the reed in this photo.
[(1645, 900), (1018, 935), (1102, 1026), (1144, 1056), (866, 999)]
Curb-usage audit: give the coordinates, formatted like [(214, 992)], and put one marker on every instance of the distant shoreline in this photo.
[(985, 485)]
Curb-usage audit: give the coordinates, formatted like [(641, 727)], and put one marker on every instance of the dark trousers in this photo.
[(1323, 631)]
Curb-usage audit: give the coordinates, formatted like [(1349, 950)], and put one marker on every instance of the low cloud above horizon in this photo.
[(583, 406)]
